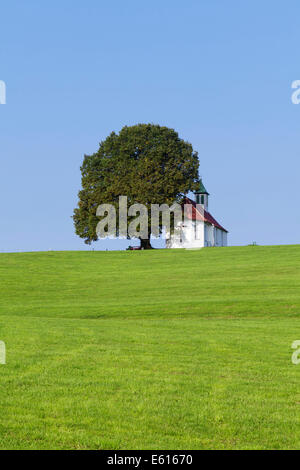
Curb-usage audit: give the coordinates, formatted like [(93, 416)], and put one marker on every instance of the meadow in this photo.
[(162, 349)]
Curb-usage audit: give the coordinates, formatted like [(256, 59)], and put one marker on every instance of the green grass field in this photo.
[(150, 350)]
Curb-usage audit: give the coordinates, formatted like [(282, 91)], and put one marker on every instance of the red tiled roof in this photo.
[(194, 214)]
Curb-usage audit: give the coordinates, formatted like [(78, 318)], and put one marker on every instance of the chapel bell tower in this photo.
[(202, 195)]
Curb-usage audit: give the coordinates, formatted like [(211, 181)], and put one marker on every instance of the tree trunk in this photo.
[(145, 244)]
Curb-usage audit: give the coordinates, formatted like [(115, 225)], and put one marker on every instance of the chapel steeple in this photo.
[(201, 195)]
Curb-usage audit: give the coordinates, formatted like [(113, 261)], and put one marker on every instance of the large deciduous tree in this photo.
[(148, 163)]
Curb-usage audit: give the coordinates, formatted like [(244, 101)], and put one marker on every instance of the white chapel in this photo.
[(199, 229)]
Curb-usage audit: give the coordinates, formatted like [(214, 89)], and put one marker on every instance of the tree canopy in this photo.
[(148, 163)]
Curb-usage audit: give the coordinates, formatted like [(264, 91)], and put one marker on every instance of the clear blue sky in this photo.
[(218, 72)]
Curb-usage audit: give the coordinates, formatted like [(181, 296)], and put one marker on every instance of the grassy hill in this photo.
[(162, 349)]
